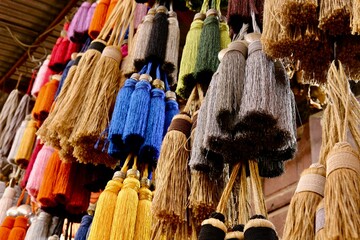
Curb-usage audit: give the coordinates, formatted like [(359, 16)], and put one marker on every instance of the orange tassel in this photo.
[(98, 19), (62, 189), (111, 7), (38, 103), (18, 232), (48, 98), (6, 227), (45, 195)]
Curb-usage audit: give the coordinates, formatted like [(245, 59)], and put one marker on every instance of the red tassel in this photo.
[(18, 232), (73, 48), (80, 196), (58, 55)]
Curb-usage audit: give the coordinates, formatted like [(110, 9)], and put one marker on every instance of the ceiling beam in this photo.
[(40, 39)]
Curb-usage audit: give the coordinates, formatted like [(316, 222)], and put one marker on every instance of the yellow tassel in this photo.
[(224, 34), (26, 146), (123, 226), (144, 215), (105, 207)]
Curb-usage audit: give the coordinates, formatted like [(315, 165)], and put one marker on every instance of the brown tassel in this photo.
[(335, 16)]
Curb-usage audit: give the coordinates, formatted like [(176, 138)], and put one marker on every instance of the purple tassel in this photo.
[(76, 30), (89, 16)]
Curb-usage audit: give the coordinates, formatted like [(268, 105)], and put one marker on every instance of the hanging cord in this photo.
[(243, 213), (254, 23), (205, 6), (18, 81), (222, 206), (258, 195)]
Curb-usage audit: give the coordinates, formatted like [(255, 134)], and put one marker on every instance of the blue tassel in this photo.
[(171, 106), (63, 77), (136, 120), (149, 152), (84, 226)]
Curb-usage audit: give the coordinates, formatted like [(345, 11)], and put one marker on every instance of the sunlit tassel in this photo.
[(170, 199), (6, 227), (17, 140), (123, 226), (144, 214), (18, 232), (105, 207)]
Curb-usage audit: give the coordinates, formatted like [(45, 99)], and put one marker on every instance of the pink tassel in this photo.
[(140, 12), (37, 171), (38, 146), (42, 77)]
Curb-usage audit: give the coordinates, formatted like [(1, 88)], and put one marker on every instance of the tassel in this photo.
[(207, 58), (63, 77), (334, 17), (40, 98), (355, 17), (99, 18), (213, 228), (73, 48), (59, 52), (141, 40), (8, 110), (9, 132), (62, 189), (172, 48), (89, 17), (117, 123), (189, 55), (136, 120), (44, 131), (67, 117), (76, 32), (299, 13), (17, 140), (45, 195), (342, 183), (37, 172), (300, 220), (228, 91), (237, 233), (258, 227), (111, 7), (150, 150), (39, 229), (18, 232), (225, 39), (144, 214), (48, 98), (6, 227), (105, 207), (53, 224), (6, 201), (156, 47), (171, 109), (26, 145), (123, 226), (170, 199), (98, 101), (42, 77), (80, 196), (84, 226), (320, 222), (270, 169), (140, 13)]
